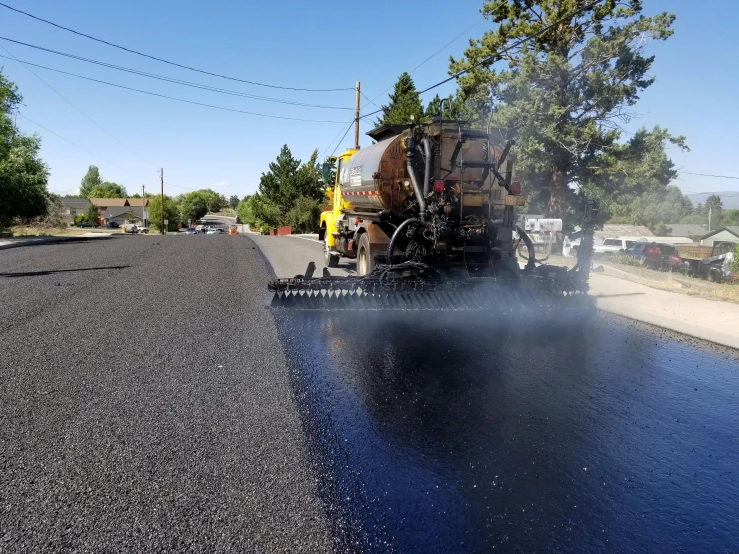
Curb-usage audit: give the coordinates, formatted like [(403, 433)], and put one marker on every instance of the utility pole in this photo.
[(143, 205), (356, 119), (161, 179), (709, 219)]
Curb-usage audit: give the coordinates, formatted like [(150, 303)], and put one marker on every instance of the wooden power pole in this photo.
[(143, 205), (356, 119), (161, 179)]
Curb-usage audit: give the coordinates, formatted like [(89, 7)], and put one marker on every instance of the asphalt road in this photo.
[(145, 403), (460, 433), (151, 403)]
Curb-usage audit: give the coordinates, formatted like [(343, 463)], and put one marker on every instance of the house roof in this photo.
[(115, 211), (75, 202), (612, 230), (685, 230), (106, 202), (734, 230), (138, 201)]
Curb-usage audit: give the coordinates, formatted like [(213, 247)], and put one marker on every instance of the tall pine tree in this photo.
[(404, 103), (565, 93)]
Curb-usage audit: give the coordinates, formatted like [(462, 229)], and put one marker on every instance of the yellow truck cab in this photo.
[(327, 230)]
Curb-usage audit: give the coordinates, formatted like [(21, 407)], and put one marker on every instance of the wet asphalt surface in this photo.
[(458, 433), (149, 402), (454, 434)]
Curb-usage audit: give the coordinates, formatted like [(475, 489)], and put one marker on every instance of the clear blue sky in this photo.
[(298, 43)]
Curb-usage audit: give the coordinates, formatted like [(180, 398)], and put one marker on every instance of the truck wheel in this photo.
[(328, 259), (365, 259)]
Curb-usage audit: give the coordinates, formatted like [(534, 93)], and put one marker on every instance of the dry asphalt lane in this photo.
[(145, 404)]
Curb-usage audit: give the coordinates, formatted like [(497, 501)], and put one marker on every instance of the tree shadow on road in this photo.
[(52, 271)]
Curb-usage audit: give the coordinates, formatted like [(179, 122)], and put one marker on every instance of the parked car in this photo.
[(191, 231), (611, 247), (87, 224), (658, 255), (142, 230), (112, 225), (214, 231)]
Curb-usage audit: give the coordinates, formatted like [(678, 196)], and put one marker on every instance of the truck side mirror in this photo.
[(326, 172)]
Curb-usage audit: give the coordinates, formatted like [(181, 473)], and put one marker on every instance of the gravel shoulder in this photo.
[(146, 404)]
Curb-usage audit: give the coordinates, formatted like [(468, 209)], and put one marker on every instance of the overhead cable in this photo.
[(497, 56), (173, 97), (173, 80), (130, 50)]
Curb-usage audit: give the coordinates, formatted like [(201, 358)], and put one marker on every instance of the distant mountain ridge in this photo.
[(729, 198)]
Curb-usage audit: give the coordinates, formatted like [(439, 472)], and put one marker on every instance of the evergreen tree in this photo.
[(404, 103), (565, 93)]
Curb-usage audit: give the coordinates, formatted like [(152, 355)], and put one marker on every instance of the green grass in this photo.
[(627, 260)]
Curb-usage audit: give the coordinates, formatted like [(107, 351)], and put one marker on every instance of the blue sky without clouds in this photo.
[(311, 45)]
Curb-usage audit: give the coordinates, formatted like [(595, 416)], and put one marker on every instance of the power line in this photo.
[(76, 108), (496, 56), (370, 99), (342, 138), (77, 145), (455, 39), (708, 175), (173, 97), (167, 61), (172, 80)]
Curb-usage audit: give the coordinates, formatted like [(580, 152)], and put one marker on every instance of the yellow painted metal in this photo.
[(333, 193)]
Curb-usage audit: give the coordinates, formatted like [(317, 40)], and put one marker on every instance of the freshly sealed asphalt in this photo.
[(150, 402)]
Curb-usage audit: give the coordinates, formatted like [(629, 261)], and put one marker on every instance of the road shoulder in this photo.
[(712, 320)]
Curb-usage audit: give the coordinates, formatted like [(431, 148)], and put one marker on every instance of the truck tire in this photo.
[(328, 259), (365, 258)]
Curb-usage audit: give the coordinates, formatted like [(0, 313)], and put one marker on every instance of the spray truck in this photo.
[(428, 213)]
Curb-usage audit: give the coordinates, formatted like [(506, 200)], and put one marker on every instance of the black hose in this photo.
[(394, 238), (529, 246), (429, 155)]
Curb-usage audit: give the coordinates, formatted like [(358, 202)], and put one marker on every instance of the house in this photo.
[(72, 207), (690, 230), (120, 215), (725, 234), (104, 205)]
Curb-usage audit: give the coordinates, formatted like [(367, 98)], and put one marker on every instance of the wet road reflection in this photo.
[(452, 434)]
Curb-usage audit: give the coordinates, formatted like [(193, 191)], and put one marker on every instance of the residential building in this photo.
[(120, 215), (690, 230), (725, 234), (72, 207)]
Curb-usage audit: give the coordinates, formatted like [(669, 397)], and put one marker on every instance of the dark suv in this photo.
[(658, 255)]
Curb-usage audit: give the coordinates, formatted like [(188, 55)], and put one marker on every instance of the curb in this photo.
[(48, 240)]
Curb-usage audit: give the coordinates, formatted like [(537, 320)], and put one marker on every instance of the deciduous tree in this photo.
[(171, 212), (23, 176), (91, 180), (107, 190)]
